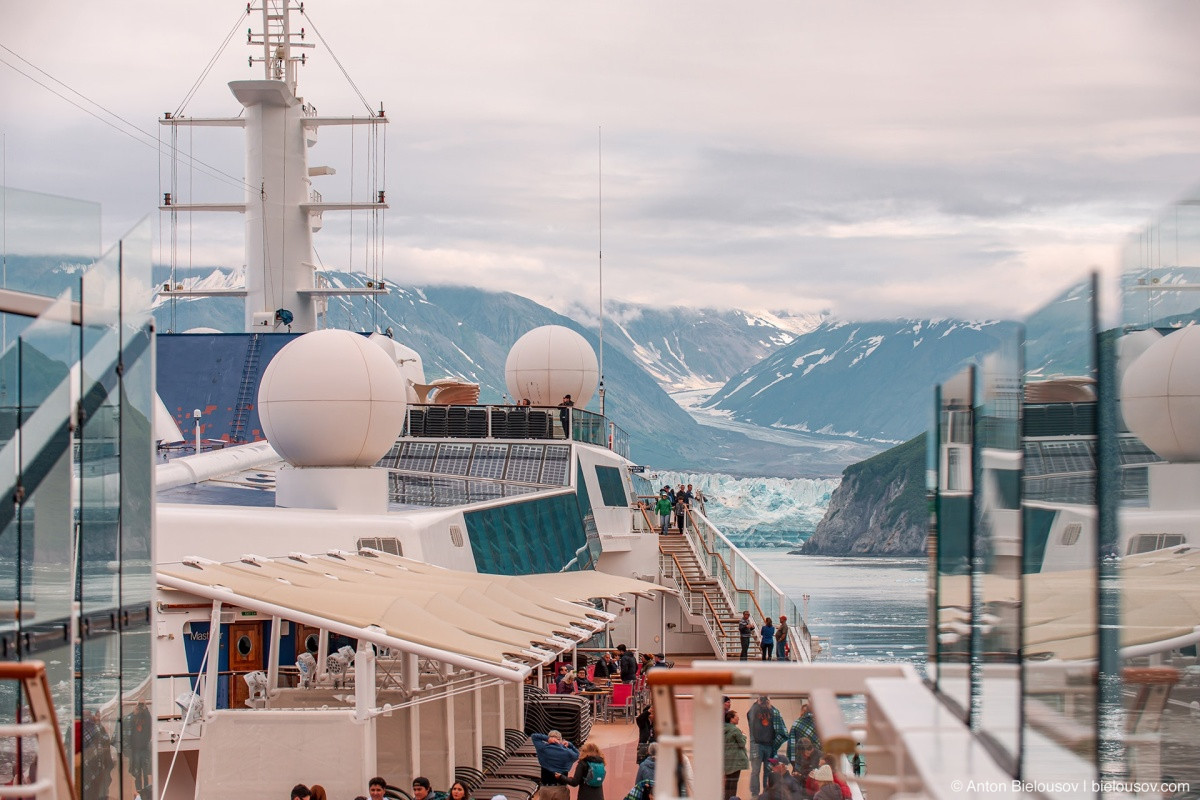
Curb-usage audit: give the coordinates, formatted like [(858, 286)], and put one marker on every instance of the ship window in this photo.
[(456, 535), (1070, 534), (1149, 542), (244, 645), (311, 643), (612, 488)]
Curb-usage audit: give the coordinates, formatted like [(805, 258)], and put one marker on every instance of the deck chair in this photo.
[(622, 701)]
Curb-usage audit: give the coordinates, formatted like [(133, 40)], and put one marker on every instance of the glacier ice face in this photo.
[(758, 512)]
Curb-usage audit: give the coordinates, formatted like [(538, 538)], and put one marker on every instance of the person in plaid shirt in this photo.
[(803, 728)]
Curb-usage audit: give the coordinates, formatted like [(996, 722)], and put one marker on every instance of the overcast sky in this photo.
[(870, 159)]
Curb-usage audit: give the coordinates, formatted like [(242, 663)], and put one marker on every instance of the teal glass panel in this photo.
[(542, 535), (581, 491), (612, 488)]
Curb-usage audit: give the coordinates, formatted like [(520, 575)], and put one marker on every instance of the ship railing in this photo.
[(697, 601), (496, 421), (42, 726), (746, 585)]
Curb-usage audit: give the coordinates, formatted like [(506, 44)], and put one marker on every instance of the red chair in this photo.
[(591, 672), (552, 688), (622, 700)]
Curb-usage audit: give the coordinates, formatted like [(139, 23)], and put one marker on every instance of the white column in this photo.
[(214, 658)]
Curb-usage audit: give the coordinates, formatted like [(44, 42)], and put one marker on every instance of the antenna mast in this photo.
[(600, 248)]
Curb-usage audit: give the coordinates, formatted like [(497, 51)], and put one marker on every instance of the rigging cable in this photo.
[(132, 131), (337, 61), (212, 61)]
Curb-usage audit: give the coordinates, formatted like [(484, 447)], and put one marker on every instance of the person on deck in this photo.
[(745, 631), (781, 639), (555, 757), (646, 732), (628, 664), (606, 667), (646, 767), (681, 507), (767, 632), (830, 760), (564, 414), (767, 733), (589, 773), (662, 507), (828, 790), (804, 729), (736, 756)]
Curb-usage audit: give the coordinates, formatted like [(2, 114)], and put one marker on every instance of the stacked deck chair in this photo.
[(568, 714)]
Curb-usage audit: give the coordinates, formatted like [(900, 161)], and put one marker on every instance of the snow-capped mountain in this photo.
[(870, 380), (697, 348), (759, 512)]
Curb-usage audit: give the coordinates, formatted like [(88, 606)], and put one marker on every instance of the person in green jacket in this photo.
[(736, 758), (663, 509)]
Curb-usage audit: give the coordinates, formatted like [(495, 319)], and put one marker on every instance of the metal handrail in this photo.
[(713, 619), (44, 725), (805, 638)]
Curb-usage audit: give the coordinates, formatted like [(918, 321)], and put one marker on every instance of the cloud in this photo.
[(872, 160)]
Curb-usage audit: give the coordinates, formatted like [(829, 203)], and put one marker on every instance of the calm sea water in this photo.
[(862, 609)]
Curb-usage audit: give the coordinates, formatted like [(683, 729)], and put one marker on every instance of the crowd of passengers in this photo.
[(801, 772)]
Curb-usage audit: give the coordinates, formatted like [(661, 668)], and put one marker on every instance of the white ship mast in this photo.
[(281, 208)]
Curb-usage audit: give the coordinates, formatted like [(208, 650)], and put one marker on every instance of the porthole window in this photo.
[(244, 645), (312, 644)]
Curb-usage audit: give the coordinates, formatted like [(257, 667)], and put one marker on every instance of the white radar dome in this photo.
[(549, 362), (332, 399), (1160, 396)]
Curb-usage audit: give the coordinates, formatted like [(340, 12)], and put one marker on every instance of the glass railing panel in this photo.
[(951, 656), (99, 517), (1148, 667), (137, 490), (1059, 578), (47, 349), (997, 551), (48, 240)]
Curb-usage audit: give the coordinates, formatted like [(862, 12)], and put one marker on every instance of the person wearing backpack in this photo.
[(589, 773), (767, 732)]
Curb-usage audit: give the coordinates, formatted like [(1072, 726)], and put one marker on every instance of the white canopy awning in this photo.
[(493, 624)]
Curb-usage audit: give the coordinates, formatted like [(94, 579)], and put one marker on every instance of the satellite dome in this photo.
[(331, 399), (1160, 396), (549, 362)]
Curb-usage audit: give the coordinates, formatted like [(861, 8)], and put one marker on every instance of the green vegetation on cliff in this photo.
[(904, 463)]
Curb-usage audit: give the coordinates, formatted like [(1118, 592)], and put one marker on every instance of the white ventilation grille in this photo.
[(456, 535)]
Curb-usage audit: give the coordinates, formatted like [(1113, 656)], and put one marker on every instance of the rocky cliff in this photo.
[(879, 509)]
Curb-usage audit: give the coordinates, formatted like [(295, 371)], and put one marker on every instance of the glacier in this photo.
[(758, 512)]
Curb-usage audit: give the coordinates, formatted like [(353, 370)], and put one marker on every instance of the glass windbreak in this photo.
[(48, 241), (137, 489), (952, 654), (1150, 674), (47, 349), (997, 548), (1059, 552)]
